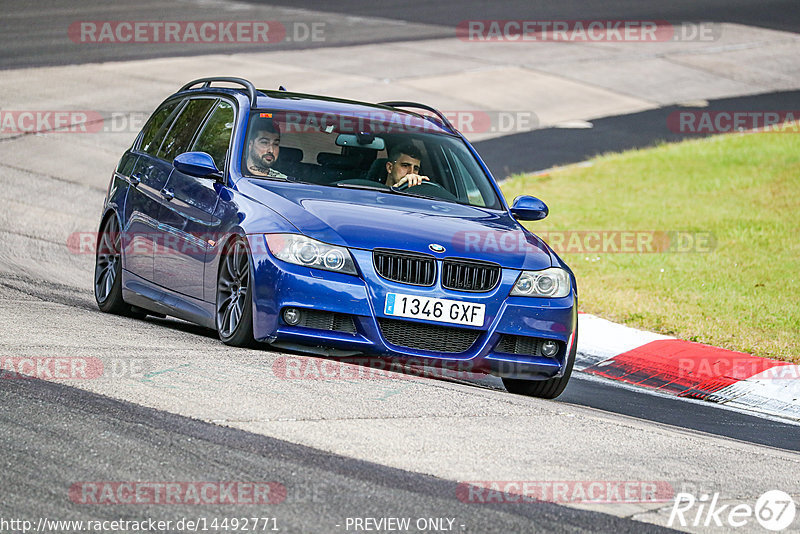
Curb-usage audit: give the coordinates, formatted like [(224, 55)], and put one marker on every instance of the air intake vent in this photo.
[(510, 344), (468, 275), (405, 267), (428, 337), (323, 320)]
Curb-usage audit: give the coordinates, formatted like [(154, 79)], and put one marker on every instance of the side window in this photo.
[(150, 138), (216, 134), (470, 183), (126, 163), (183, 129), (473, 193)]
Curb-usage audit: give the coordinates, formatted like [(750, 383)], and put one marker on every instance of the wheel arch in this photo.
[(223, 248), (110, 211)]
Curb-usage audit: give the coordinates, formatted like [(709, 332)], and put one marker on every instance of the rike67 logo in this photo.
[(774, 510)]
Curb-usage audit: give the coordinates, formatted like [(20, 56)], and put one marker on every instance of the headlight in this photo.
[(302, 250), (551, 283)]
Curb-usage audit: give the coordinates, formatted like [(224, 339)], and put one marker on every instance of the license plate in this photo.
[(432, 309)]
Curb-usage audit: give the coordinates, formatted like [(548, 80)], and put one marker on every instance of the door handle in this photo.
[(167, 194), (135, 179)]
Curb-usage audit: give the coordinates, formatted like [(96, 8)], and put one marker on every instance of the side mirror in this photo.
[(198, 164), (528, 208)]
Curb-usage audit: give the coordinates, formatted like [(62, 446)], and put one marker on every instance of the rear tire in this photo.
[(545, 389), (108, 272), (234, 316)]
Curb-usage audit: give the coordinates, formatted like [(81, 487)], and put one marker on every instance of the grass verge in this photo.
[(733, 201)]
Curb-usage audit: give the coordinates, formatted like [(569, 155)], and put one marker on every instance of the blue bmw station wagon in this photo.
[(334, 227)]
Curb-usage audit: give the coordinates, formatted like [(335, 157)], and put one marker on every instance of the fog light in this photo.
[(291, 316), (549, 348)]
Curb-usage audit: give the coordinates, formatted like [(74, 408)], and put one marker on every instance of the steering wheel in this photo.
[(404, 186), (428, 189)]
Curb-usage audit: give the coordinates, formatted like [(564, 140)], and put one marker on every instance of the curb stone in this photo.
[(686, 369)]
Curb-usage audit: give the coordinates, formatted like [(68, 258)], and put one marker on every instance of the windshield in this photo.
[(391, 152)]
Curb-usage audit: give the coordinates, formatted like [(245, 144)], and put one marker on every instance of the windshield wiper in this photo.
[(269, 178)]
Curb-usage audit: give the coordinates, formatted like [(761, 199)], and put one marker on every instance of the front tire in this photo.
[(545, 389), (234, 317)]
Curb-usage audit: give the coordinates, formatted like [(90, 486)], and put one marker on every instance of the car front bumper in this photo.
[(343, 315)]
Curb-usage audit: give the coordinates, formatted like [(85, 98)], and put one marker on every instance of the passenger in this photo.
[(263, 147), (403, 167)]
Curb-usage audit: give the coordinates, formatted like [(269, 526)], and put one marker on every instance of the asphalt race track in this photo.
[(777, 14), (324, 489), (29, 38), (561, 146), (175, 405)]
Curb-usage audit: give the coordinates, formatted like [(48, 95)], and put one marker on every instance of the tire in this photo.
[(108, 272), (544, 389), (234, 308)]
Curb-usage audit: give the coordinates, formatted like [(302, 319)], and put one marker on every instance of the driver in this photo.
[(263, 148), (403, 167)]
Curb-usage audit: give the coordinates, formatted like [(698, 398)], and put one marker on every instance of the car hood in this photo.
[(366, 219)]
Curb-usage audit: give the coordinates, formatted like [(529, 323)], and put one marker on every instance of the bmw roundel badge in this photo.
[(436, 247)]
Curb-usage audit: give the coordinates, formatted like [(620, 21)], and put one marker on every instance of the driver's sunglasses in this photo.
[(408, 166)]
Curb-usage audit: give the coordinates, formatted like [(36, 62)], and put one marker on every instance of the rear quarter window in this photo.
[(216, 134), (184, 128), (153, 131)]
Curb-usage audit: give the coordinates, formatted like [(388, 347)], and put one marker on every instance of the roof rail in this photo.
[(401, 104), (251, 89)]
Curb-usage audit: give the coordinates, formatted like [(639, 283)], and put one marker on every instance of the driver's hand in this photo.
[(412, 180)]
